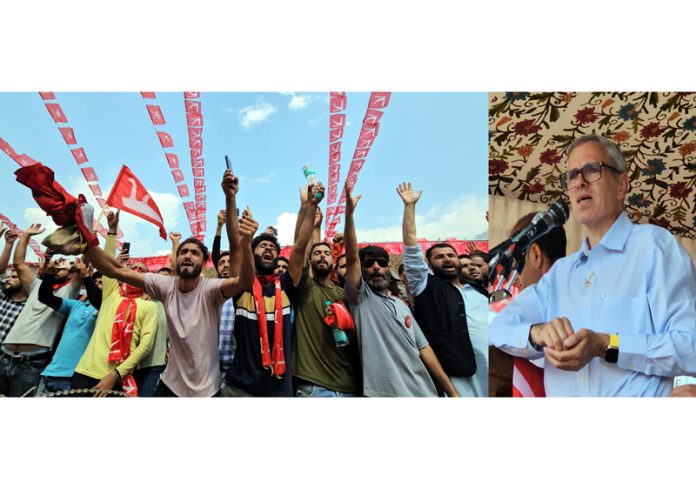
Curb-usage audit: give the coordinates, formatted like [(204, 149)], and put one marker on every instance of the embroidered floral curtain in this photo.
[(529, 132)]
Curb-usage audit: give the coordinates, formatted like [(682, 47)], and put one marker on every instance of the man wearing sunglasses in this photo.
[(618, 317), (396, 358)]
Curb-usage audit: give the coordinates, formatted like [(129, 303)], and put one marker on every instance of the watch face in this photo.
[(611, 355)]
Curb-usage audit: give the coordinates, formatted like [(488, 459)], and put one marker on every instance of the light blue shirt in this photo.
[(77, 332), (476, 306), (637, 282)]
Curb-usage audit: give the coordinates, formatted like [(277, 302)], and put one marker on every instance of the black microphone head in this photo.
[(560, 211)]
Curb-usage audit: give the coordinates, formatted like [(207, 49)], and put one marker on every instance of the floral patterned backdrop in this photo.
[(529, 133)]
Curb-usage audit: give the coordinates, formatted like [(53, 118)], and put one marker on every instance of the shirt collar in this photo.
[(614, 239)]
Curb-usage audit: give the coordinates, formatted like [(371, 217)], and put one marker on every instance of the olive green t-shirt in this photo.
[(316, 357)]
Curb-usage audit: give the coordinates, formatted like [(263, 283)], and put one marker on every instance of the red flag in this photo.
[(155, 114), (189, 206), (96, 190), (361, 153), (47, 95), (379, 100), (200, 214), (372, 116), (79, 155), (192, 94), (334, 158), (197, 163), (200, 206), (335, 134), (198, 182), (68, 134), (200, 197), (364, 143), (335, 147), (5, 146), (192, 106), (24, 160), (338, 103), (369, 131), (165, 139), (337, 120), (336, 94), (56, 112), (196, 143), (183, 190), (172, 159), (195, 133), (527, 379), (198, 172), (129, 195), (89, 173), (148, 94), (194, 120), (178, 175), (102, 202)]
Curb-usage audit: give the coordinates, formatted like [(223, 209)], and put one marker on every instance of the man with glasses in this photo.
[(396, 358), (618, 317)]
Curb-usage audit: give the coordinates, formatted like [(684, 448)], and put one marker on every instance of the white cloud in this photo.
[(285, 224), (463, 218), (297, 102), (256, 114)]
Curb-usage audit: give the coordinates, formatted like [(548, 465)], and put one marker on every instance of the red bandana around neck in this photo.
[(122, 333), (274, 360)]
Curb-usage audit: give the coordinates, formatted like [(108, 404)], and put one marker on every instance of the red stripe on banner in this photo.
[(195, 133), (196, 143), (196, 153), (68, 135), (56, 113), (194, 120), (373, 116), (197, 163), (5, 146), (337, 103), (379, 100), (183, 190), (337, 120), (172, 160), (79, 155), (192, 94), (24, 160), (47, 95), (200, 197), (178, 176), (148, 94), (192, 106), (198, 172)]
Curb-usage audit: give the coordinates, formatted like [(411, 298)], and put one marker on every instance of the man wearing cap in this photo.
[(396, 358), (28, 346), (618, 317)]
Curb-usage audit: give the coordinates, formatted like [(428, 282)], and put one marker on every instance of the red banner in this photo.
[(155, 114), (47, 95), (194, 120), (165, 139), (183, 190), (68, 135), (56, 113), (79, 155), (192, 106), (148, 94), (172, 160), (178, 176), (89, 173)]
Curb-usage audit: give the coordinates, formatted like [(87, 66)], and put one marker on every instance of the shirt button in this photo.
[(586, 253)]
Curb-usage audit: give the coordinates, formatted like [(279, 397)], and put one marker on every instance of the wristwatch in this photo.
[(611, 352)]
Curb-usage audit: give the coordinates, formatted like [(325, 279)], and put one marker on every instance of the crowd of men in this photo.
[(330, 320)]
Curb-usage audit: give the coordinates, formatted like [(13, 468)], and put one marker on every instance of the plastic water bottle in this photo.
[(339, 335), (311, 177)]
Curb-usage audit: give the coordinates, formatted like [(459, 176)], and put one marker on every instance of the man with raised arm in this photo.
[(263, 330), (452, 314), (396, 358), (28, 346), (192, 302)]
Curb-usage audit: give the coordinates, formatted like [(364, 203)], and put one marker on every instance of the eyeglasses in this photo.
[(591, 172), (368, 262)]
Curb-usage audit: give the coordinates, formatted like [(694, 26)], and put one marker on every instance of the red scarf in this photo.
[(57, 287), (122, 332), (274, 360)]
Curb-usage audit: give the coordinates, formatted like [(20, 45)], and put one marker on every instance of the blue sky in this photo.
[(438, 141)]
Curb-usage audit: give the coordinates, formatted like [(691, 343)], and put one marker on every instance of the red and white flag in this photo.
[(129, 195), (24, 160), (335, 134), (68, 134), (47, 95), (89, 173), (337, 120), (56, 112), (96, 189), (361, 153), (337, 103), (527, 379), (365, 143), (196, 153), (155, 114), (194, 120), (5, 146), (379, 100), (178, 175), (334, 158), (198, 172), (196, 143), (195, 133), (192, 94), (192, 106), (372, 116), (335, 147), (173, 160), (200, 197), (79, 155), (183, 190), (369, 131), (165, 139), (148, 94)]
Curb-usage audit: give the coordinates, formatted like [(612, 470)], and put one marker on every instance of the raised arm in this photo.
[(10, 238), (316, 232), (230, 186), (304, 200), (297, 256), (175, 238), (237, 284), (410, 198), (350, 240), (215, 252), (46, 295), (19, 260)]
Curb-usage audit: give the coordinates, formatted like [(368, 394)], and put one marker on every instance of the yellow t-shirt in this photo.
[(95, 360)]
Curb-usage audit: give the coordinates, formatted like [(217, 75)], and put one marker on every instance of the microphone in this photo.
[(556, 216)]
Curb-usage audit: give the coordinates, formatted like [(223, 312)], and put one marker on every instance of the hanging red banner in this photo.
[(197, 163), (192, 106), (194, 120), (178, 176), (192, 94), (369, 131), (89, 173), (24, 160), (148, 94), (155, 114), (183, 190), (196, 153), (379, 100), (172, 160), (195, 133), (337, 103), (335, 147), (96, 190), (56, 113), (337, 120), (372, 116), (5, 146), (79, 155), (47, 95), (68, 135), (165, 139), (198, 172), (335, 134)]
